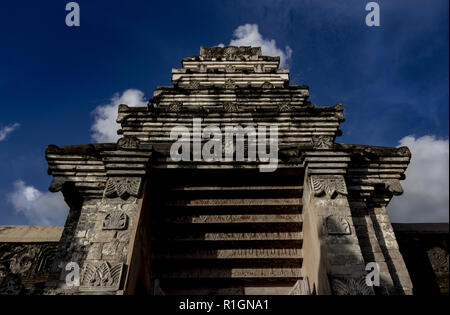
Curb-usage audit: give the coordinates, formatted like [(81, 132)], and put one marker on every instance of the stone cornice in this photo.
[(374, 172), (85, 170)]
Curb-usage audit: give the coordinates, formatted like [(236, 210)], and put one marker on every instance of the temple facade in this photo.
[(142, 221)]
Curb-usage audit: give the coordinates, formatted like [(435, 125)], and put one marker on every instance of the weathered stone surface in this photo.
[(315, 222), (26, 254)]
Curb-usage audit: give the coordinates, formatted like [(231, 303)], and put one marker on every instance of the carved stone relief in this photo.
[(322, 142), (284, 107), (123, 187), (330, 185), (176, 106), (267, 85), (337, 225), (230, 84), (230, 107), (230, 52), (128, 142), (11, 285), (30, 262), (259, 67), (115, 220), (194, 84), (351, 286), (230, 68), (102, 277)]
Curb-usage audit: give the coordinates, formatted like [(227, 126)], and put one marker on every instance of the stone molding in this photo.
[(230, 52)]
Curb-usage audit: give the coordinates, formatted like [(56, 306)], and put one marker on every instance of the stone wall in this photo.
[(424, 247), (99, 243), (26, 254)]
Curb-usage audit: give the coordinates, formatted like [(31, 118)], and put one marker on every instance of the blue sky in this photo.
[(392, 79)]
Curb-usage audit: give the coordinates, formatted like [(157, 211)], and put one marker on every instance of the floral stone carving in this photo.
[(101, 278), (330, 185), (322, 142), (123, 187), (176, 107), (351, 286), (115, 220)]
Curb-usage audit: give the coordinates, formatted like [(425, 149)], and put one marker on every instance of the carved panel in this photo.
[(28, 262), (284, 107), (102, 277), (230, 68), (176, 106), (230, 52), (230, 107), (322, 142), (230, 84), (259, 67), (194, 84), (330, 185), (123, 187), (115, 220), (128, 142), (351, 286), (337, 225), (267, 85)]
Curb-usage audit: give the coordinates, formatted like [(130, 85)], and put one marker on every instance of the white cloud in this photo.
[(426, 188), (40, 208), (105, 127), (5, 131), (248, 35)]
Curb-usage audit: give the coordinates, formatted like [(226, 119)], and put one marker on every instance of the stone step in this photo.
[(234, 254), (250, 192), (193, 236), (231, 206), (175, 264), (287, 219), (227, 286), (230, 273), (168, 178), (233, 202)]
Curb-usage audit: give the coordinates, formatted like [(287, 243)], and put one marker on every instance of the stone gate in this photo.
[(142, 223)]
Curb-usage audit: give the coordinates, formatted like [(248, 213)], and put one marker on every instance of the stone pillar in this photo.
[(336, 264), (99, 242), (104, 199)]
